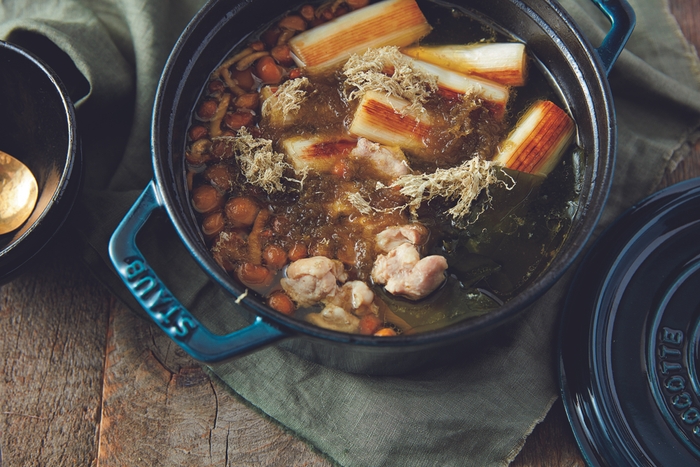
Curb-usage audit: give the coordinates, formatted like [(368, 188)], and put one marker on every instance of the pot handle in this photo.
[(622, 20), (160, 304)]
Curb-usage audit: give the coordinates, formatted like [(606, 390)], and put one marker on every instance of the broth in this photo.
[(258, 221)]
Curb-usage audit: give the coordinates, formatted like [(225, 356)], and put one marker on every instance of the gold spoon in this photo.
[(18, 193)]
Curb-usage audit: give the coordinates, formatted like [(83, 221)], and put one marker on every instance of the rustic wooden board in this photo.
[(161, 408), (53, 324), (687, 14)]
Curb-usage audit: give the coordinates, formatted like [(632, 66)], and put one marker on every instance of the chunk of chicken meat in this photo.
[(336, 318), (403, 272), (310, 280), (355, 297), (343, 307), (392, 237), (388, 161), (315, 280)]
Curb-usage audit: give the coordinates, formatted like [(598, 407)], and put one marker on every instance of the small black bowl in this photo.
[(37, 126)]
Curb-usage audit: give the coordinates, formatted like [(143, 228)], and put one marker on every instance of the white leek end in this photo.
[(494, 95), (280, 104), (318, 154), (388, 120), (501, 62), (538, 140), (390, 22)]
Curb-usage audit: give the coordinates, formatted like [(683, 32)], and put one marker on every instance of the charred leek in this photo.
[(538, 139), (391, 22), (494, 95), (503, 62), (389, 120), (318, 154)]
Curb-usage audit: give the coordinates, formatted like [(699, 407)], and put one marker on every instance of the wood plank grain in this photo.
[(162, 408), (53, 324), (686, 12), (551, 443)]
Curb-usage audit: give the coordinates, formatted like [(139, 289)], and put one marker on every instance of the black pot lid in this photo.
[(629, 347)]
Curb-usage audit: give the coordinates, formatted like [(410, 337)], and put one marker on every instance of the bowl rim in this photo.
[(72, 160)]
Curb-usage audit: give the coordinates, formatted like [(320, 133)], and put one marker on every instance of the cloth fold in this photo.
[(478, 412)]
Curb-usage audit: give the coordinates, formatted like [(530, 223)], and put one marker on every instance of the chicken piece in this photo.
[(310, 280), (392, 237), (335, 318), (389, 162), (355, 297), (403, 272), (360, 294)]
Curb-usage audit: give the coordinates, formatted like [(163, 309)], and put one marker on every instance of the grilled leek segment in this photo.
[(538, 139), (389, 120), (494, 95), (504, 63), (318, 154), (391, 22)]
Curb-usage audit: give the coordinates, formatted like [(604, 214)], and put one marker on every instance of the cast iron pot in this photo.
[(580, 72)]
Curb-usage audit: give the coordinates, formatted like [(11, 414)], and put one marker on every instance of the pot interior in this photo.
[(551, 37)]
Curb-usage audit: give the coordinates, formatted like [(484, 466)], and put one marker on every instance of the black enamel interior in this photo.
[(37, 126)]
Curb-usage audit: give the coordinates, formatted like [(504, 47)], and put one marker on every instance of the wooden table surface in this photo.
[(86, 382)]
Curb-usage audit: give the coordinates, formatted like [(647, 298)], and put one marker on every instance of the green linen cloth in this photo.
[(110, 54)]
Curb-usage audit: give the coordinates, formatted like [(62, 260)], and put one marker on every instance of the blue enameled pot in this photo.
[(580, 71)]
